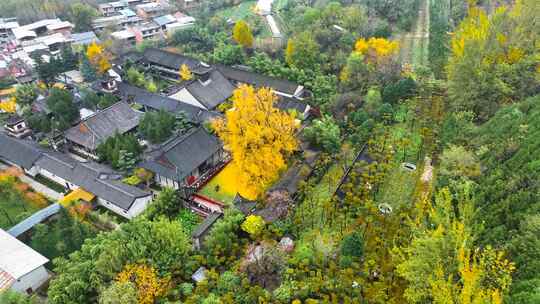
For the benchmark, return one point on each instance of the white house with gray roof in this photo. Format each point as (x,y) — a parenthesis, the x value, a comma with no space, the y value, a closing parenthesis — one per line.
(104,183)
(22,269)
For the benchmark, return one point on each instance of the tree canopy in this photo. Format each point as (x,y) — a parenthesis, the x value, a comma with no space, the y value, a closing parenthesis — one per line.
(259,137)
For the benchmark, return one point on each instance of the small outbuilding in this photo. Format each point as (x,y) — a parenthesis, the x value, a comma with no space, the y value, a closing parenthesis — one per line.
(22,269)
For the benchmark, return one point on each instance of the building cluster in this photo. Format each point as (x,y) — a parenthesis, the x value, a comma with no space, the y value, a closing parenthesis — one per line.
(134,21)
(20,43)
(186,161)
(126,22)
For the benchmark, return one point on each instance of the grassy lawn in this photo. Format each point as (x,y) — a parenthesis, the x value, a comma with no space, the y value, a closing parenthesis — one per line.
(238,12)
(398,187)
(17,201)
(223,187)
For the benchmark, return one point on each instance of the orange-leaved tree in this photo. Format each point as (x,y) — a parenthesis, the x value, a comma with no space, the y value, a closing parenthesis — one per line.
(259,137)
(98,57)
(145,278)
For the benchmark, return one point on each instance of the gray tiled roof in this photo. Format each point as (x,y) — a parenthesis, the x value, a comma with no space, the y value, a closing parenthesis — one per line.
(98,179)
(258,80)
(174,61)
(287,103)
(84,38)
(17,151)
(212,92)
(118,118)
(158,102)
(92,177)
(178,157)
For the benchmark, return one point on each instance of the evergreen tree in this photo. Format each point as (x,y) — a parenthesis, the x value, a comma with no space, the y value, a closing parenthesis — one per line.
(88,72)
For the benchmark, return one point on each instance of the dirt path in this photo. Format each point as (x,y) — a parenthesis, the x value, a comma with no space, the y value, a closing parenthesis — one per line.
(414,45)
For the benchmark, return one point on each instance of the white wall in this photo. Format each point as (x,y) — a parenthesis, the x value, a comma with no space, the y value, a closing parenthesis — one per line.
(113,207)
(33,279)
(138,206)
(165,182)
(57,179)
(32,171)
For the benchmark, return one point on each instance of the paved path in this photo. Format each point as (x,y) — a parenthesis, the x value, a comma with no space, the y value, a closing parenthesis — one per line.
(38,187)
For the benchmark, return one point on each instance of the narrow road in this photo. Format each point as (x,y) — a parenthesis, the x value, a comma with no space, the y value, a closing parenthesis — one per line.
(414,45)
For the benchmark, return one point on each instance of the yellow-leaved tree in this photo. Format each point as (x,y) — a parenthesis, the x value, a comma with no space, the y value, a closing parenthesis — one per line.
(98,57)
(9,106)
(145,278)
(253,225)
(259,137)
(441,264)
(376,49)
(242,34)
(494,58)
(185,72)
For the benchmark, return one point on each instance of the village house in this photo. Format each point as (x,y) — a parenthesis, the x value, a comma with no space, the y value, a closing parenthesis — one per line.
(79,40)
(103,184)
(22,269)
(178,21)
(206,92)
(185,160)
(40,28)
(151,10)
(212,85)
(6,28)
(16,126)
(168,64)
(281,87)
(112,8)
(99,180)
(154,102)
(124,19)
(85,137)
(19,153)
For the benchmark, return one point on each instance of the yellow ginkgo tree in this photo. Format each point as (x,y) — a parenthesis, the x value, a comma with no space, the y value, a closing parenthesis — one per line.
(145,278)
(376,49)
(98,57)
(242,34)
(185,72)
(259,137)
(9,106)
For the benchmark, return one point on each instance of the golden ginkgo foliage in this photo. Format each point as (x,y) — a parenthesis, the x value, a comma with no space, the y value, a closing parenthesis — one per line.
(185,72)
(242,34)
(9,106)
(98,57)
(145,278)
(375,49)
(441,264)
(259,137)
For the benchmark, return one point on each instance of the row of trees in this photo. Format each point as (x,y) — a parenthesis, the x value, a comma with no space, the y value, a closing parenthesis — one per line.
(504,195)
